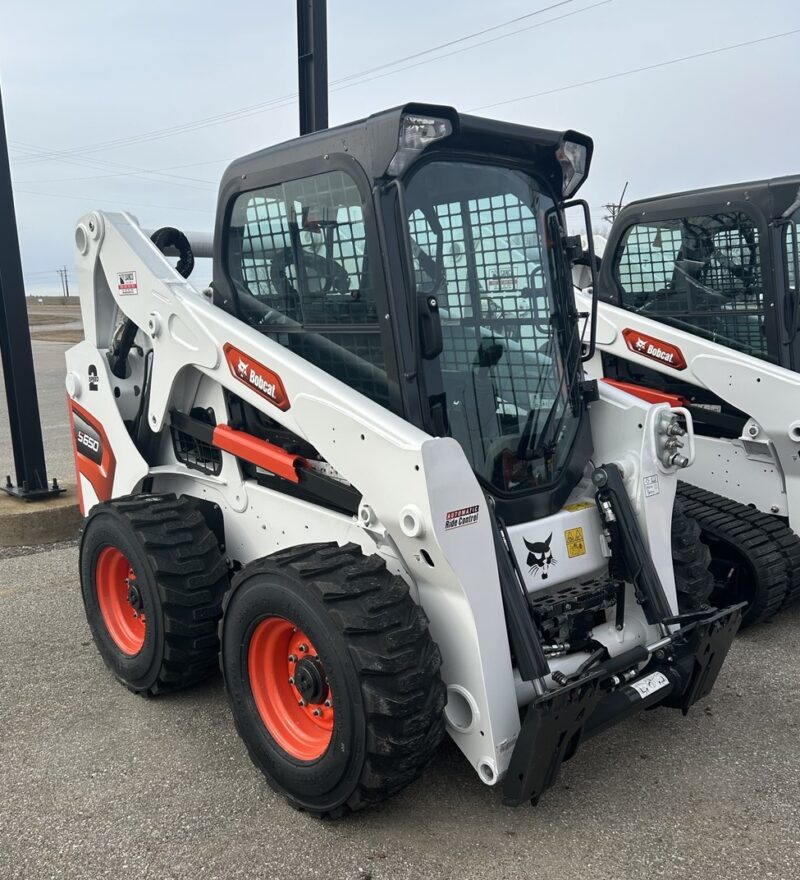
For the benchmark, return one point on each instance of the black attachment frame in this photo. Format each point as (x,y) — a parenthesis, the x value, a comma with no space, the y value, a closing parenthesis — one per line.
(522,633)
(312,64)
(555,723)
(628,546)
(17,355)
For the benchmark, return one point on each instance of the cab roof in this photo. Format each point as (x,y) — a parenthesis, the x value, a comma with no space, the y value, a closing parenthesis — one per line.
(372,142)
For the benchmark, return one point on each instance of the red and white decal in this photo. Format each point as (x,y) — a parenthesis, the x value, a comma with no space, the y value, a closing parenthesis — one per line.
(256,376)
(464,516)
(655,349)
(94,459)
(127,284)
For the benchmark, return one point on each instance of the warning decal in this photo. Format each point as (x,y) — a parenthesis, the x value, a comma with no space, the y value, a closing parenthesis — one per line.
(576,545)
(578,505)
(651,486)
(126,284)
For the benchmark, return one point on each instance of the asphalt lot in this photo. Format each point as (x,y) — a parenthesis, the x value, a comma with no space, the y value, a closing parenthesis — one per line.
(96,782)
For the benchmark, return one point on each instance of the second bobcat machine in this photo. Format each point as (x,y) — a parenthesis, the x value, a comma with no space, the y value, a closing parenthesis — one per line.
(391,507)
(698,307)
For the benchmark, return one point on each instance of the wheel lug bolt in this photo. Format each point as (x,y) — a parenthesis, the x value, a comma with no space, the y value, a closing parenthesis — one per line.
(293,658)
(303,649)
(328,703)
(318,712)
(291,679)
(302,703)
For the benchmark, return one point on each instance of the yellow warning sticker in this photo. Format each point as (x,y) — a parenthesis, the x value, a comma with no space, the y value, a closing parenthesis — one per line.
(576,546)
(579,505)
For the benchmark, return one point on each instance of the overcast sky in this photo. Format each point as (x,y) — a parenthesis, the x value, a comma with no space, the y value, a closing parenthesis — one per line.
(77,75)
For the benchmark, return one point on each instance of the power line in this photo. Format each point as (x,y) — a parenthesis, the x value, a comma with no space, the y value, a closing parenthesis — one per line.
(37,153)
(477,45)
(116,202)
(452,42)
(124,173)
(358,78)
(610,76)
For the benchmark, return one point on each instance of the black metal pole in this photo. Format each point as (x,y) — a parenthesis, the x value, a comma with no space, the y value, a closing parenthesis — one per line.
(312,64)
(15,347)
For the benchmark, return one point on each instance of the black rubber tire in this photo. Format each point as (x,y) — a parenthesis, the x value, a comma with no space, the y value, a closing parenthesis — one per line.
(380,660)
(691,559)
(182,577)
(747,561)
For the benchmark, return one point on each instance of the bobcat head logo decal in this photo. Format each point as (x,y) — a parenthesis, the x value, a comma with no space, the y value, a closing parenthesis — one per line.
(242,367)
(540,557)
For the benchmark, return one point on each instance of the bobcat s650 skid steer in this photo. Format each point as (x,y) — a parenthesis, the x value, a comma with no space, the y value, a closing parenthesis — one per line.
(698,306)
(392,508)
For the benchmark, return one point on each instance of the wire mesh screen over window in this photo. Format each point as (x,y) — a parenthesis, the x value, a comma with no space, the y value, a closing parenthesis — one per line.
(701,274)
(477,243)
(298,255)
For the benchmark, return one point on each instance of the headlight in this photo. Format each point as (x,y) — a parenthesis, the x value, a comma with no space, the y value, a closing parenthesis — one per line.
(572,158)
(416,132)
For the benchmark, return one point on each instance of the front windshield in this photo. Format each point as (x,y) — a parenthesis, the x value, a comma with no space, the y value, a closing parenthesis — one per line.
(480,242)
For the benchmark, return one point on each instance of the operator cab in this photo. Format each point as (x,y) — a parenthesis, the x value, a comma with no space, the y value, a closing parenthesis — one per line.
(719,263)
(420,257)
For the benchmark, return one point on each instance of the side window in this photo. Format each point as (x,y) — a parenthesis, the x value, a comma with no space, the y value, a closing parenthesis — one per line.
(701,274)
(297,254)
(505,277)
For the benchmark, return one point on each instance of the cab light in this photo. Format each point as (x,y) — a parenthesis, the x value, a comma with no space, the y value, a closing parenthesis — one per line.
(416,133)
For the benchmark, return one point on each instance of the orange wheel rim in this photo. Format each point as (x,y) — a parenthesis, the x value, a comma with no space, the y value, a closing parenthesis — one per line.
(290,688)
(120,601)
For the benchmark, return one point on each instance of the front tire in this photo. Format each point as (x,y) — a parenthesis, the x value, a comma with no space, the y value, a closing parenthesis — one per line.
(332,677)
(153,578)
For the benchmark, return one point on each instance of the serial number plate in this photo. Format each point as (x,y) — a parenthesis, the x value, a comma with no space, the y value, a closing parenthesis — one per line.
(650,684)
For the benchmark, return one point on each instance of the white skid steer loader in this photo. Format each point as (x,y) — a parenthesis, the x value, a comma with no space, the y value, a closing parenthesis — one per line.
(390,507)
(698,307)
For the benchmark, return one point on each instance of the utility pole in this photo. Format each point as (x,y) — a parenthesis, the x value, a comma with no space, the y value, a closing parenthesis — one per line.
(312,64)
(614,208)
(62,274)
(15,348)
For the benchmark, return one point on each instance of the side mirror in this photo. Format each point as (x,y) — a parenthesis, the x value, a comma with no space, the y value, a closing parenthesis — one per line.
(589,256)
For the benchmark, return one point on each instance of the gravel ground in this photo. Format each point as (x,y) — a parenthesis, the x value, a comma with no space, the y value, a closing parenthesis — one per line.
(98,782)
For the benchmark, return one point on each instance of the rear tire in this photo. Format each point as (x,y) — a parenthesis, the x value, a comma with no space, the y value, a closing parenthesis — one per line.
(153,578)
(368,677)
(691,559)
(748,563)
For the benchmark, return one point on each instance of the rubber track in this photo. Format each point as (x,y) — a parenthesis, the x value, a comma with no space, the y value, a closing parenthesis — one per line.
(773,550)
(395,659)
(191,576)
(691,558)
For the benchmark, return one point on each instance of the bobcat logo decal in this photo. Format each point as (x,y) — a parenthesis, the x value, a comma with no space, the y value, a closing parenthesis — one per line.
(242,367)
(540,557)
